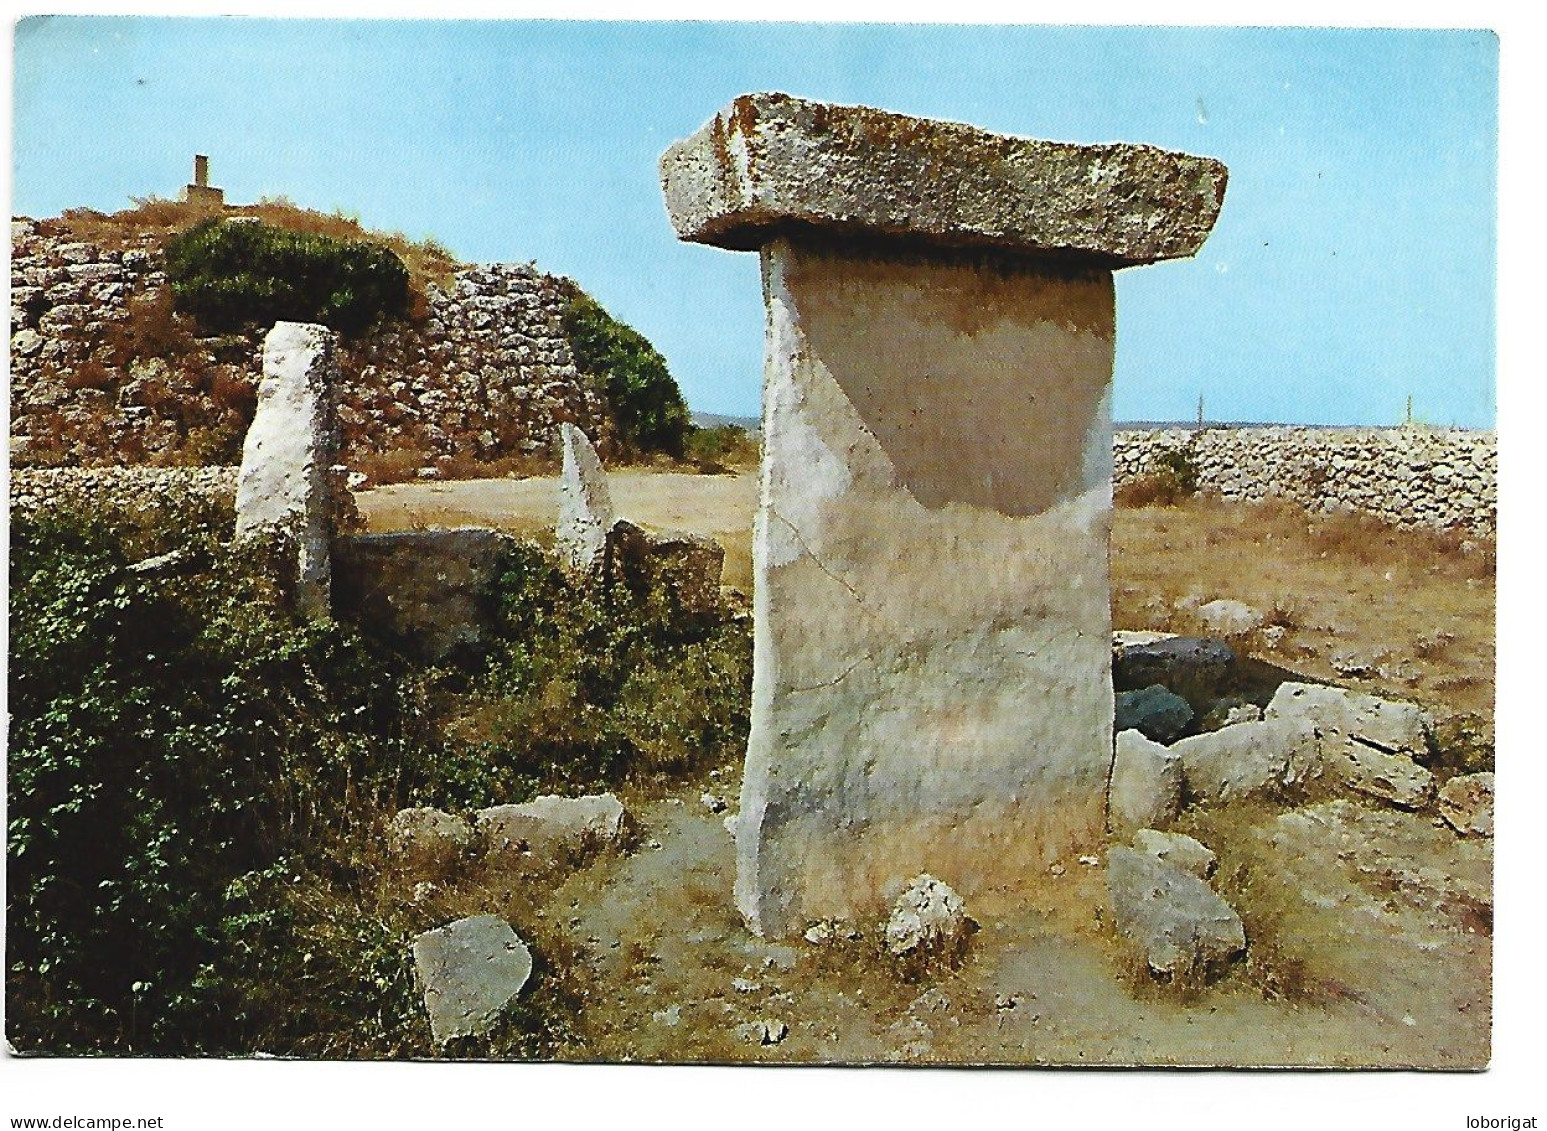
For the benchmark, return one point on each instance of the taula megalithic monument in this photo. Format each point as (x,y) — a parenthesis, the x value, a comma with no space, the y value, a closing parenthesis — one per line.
(932,676)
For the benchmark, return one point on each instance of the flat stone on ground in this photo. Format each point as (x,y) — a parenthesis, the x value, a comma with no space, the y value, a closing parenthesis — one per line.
(1185,852)
(470,971)
(1184,929)
(550,824)
(1466,804)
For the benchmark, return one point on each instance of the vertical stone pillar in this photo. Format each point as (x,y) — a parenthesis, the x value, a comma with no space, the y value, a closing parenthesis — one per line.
(200,170)
(932,687)
(285,487)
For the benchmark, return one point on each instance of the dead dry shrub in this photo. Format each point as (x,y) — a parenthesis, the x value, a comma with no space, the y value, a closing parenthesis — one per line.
(394,465)
(91,374)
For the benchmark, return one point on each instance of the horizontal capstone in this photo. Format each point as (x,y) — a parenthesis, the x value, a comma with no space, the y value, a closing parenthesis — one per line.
(769,163)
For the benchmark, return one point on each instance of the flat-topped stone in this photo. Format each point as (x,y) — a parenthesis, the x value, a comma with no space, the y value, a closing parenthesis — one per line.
(770,163)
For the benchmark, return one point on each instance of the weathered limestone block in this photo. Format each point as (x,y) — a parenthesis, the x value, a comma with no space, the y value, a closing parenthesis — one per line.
(585,504)
(687,567)
(1187,853)
(1146,786)
(1275,756)
(427,589)
(285,486)
(1368,742)
(928,924)
(428,839)
(1465,803)
(551,826)
(769,161)
(1184,929)
(470,972)
(932,672)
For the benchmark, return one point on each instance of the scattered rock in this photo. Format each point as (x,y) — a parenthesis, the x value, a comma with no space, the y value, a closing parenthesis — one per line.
(1194,667)
(685,566)
(427,839)
(1184,852)
(1156,712)
(743,986)
(714,803)
(928,923)
(1248,759)
(1146,785)
(1466,804)
(470,972)
(1230,618)
(1185,930)
(551,825)
(670,1017)
(1368,742)
(585,504)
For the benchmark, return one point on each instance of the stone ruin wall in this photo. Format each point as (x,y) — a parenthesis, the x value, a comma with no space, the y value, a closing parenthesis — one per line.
(1413,476)
(487,373)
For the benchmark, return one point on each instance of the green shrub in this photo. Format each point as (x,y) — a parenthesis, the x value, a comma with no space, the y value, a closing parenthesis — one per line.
(651,414)
(170,733)
(232,274)
(723,448)
(197,778)
(1173,476)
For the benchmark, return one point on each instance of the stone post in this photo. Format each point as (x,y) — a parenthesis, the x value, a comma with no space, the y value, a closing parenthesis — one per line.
(285,486)
(200,171)
(932,675)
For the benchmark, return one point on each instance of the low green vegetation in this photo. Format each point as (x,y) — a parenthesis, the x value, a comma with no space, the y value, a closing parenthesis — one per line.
(722,449)
(651,414)
(198,780)
(230,274)
(1172,477)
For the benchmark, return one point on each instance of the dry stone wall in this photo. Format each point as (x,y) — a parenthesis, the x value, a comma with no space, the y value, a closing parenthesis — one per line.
(1414,476)
(101,373)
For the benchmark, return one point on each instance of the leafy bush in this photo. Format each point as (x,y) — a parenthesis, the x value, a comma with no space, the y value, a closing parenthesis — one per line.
(197,779)
(170,732)
(651,414)
(230,274)
(721,449)
(1173,476)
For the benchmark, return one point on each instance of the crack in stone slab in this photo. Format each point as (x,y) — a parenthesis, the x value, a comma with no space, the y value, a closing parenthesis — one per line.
(816,561)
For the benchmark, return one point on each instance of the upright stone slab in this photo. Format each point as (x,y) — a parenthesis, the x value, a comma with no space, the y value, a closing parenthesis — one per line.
(585,504)
(285,485)
(932,686)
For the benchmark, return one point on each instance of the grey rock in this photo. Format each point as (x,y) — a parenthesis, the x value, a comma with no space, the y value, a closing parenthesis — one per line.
(1193,667)
(1248,760)
(1183,928)
(1369,743)
(768,1031)
(428,839)
(1465,803)
(1230,618)
(928,923)
(1184,852)
(550,825)
(770,159)
(1146,786)
(1156,712)
(470,972)
(687,567)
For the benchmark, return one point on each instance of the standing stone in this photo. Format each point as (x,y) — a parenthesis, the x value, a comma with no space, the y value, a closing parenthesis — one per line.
(932,667)
(284,487)
(585,504)
(1146,786)
(470,972)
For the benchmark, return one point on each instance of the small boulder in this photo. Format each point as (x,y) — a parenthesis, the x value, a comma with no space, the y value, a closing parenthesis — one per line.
(428,839)
(552,826)
(1230,618)
(470,972)
(1466,804)
(1145,790)
(928,924)
(1184,852)
(1368,742)
(1193,667)
(685,567)
(1183,928)
(1157,713)
(1248,759)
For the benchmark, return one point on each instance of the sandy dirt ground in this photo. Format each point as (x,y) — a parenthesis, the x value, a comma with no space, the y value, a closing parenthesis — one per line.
(1369,928)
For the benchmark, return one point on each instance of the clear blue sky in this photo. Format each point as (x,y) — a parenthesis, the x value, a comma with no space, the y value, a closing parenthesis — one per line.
(1353,263)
